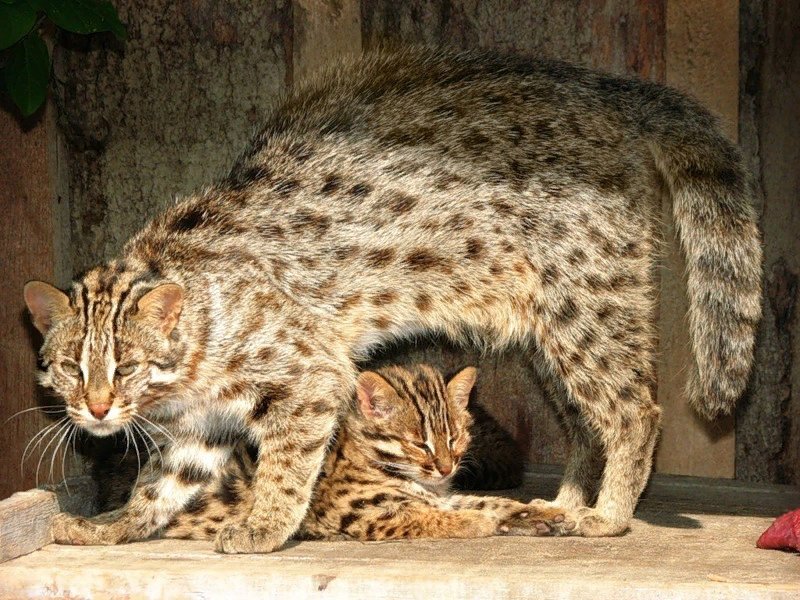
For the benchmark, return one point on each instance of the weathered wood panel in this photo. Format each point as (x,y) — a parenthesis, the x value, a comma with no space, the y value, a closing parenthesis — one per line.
(672,552)
(166,112)
(25,520)
(26,247)
(702,60)
(768,421)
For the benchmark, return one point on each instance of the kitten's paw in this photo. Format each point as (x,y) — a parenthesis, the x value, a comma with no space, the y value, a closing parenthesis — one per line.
(537,521)
(242,538)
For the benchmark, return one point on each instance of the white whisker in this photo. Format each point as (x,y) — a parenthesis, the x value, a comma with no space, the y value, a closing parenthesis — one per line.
(49,410)
(63,437)
(71,438)
(39,435)
(158,427)
(147,433)
(44,450)
(138,458)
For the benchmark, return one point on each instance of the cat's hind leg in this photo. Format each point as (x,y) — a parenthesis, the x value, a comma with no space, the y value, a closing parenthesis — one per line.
(597,336)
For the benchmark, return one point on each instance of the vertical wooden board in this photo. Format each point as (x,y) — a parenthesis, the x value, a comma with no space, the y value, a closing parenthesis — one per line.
(324,30)
(768,419)
(27,250)
(702,59)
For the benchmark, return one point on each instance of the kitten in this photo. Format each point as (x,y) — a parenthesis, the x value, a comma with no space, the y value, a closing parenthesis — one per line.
(388,474)
(487,198)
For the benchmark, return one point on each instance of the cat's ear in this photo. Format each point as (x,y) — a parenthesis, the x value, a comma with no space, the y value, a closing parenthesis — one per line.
(375,395)
(46,303)
(460,386)
(162,306)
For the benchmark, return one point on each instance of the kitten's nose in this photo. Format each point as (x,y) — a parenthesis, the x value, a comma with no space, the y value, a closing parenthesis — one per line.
(99,410)
(444,468)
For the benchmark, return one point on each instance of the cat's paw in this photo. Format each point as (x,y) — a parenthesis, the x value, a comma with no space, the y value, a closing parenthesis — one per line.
(241,538)
(591,523)
(537,521)
(74,530)
(584,521)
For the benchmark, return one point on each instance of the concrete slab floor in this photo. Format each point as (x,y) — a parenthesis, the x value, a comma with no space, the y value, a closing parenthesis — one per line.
(691,539)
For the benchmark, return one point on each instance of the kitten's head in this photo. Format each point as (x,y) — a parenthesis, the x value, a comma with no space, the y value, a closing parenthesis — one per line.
(413,423)
(110,347)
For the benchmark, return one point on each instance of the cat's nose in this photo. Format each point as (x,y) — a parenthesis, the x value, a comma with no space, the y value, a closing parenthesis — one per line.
(99,410)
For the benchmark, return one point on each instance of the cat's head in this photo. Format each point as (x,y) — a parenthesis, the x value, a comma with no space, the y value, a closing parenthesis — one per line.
(110,347)
(415,424)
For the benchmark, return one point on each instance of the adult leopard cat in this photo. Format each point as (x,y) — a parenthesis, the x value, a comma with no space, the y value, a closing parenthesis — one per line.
(488,198)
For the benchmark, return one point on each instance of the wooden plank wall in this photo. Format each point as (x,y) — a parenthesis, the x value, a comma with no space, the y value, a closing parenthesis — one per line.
(172,108)
(26,248)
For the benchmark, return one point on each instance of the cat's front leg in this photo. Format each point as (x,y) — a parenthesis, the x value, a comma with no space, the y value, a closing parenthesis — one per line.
(162,492)
(292,425)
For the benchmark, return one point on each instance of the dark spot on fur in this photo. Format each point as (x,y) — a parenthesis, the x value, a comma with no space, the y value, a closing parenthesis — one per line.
(284,188)
(192,474)
(345,252)
(150,493)
(567,312)
(347,520)
(475,248)
(221,434)
(422,259)
(266,354)
(189,220)
(551,274)
(271,392)
(244,178)
(306,219)
(576,257)
(331,185)
(400,203)
(380,258)
(228,494)
(197,504)
(382,322)
(423,302)
(384,297)
(350,301)
(360,190)
(303,348)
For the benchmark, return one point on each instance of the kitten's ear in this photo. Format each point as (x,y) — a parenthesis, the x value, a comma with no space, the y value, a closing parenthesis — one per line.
(162,305)
(46,303)
(375,395)
(460,386)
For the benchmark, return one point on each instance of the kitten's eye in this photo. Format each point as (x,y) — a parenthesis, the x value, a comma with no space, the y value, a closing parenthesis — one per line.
(423,446)
(126,369)
(71,368)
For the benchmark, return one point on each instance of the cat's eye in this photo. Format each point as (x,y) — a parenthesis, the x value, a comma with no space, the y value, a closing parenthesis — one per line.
(71,368)
(126,369)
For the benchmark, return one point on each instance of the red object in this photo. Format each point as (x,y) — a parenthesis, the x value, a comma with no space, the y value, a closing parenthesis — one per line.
(783,534)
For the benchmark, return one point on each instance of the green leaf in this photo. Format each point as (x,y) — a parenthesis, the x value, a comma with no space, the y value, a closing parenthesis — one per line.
(111,20)
(27,72)
(84,16)
(77,16)
(15,21)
